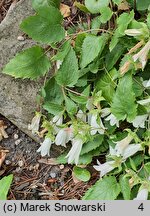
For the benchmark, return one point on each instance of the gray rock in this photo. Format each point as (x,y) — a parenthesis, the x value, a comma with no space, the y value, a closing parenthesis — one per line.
(17,97)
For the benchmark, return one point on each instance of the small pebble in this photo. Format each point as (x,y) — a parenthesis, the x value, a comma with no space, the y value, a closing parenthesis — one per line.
(53,175)
(20,38)
(7,162)
(61,166)
(20,163)
(16,136)
(18,141)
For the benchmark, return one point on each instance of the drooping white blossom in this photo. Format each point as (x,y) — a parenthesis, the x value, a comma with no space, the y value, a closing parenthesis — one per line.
(142,55)
(131,150)
(74,153)
(96,125)
(64,136)
(105,112)
(146,83)
(113,120)
(133,32)
(139,121)
(81,116)
(144,102)
(45,147)
(58,64)
(58,119)
(142,194)
(105,167)
(122,145)
(35,123)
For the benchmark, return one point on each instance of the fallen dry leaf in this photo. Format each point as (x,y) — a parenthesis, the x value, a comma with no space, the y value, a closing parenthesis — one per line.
(65,10)
(124,6)
(3,153)
(51,161)
(3,133)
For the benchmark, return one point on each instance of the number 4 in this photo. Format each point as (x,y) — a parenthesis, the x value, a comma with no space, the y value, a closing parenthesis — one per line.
(141,207)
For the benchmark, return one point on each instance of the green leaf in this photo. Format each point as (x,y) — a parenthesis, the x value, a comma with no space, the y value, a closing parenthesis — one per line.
(104,189)
(4,186)
(53,108)
(91,48)
(36,4)
(78,42)
(81,174)
(113,56)
(106,14)
(123,106)
(142,5)
(30,63)
(78,99)
(53,92)
(148,20)
(63,52)
(91,145)
(71,107)
(94,5)
(117,2)
(45,26)
(68,73)
(81,7)
(122,23)
(125,187)
(107,85)
(137,87)
(95,24)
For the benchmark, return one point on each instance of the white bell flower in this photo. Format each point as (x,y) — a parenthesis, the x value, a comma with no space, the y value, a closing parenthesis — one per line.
(74,153)
(142,55)
(131,150)
(105,112)
(64,136)
(45,147)
(144,102)
(58,120)
(113,120)
(142,194)
(133,32)
(81,115)
(96,125)
(146,83)
(58,64)
(122,145)
(35,123)
(105,167)
(139,121)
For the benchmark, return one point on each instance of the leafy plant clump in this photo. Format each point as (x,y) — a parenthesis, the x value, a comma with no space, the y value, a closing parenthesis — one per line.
(97,100)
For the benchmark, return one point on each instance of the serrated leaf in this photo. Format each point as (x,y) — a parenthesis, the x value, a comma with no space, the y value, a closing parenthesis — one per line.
(5,183)
(81,7)
(117,2)
(45,26)
(123,106)
(81,174)
(104,189)
(63,52)
(30,63)
(71,107)
(125,187)
(137,87)
(91,145)
(94,5)
(107,85)
(36,4)
(113,56)
(53,108)
(78,42)
(122,23)
(106,14)
(91,48)
(142,5)
(53,92)
(68,73)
